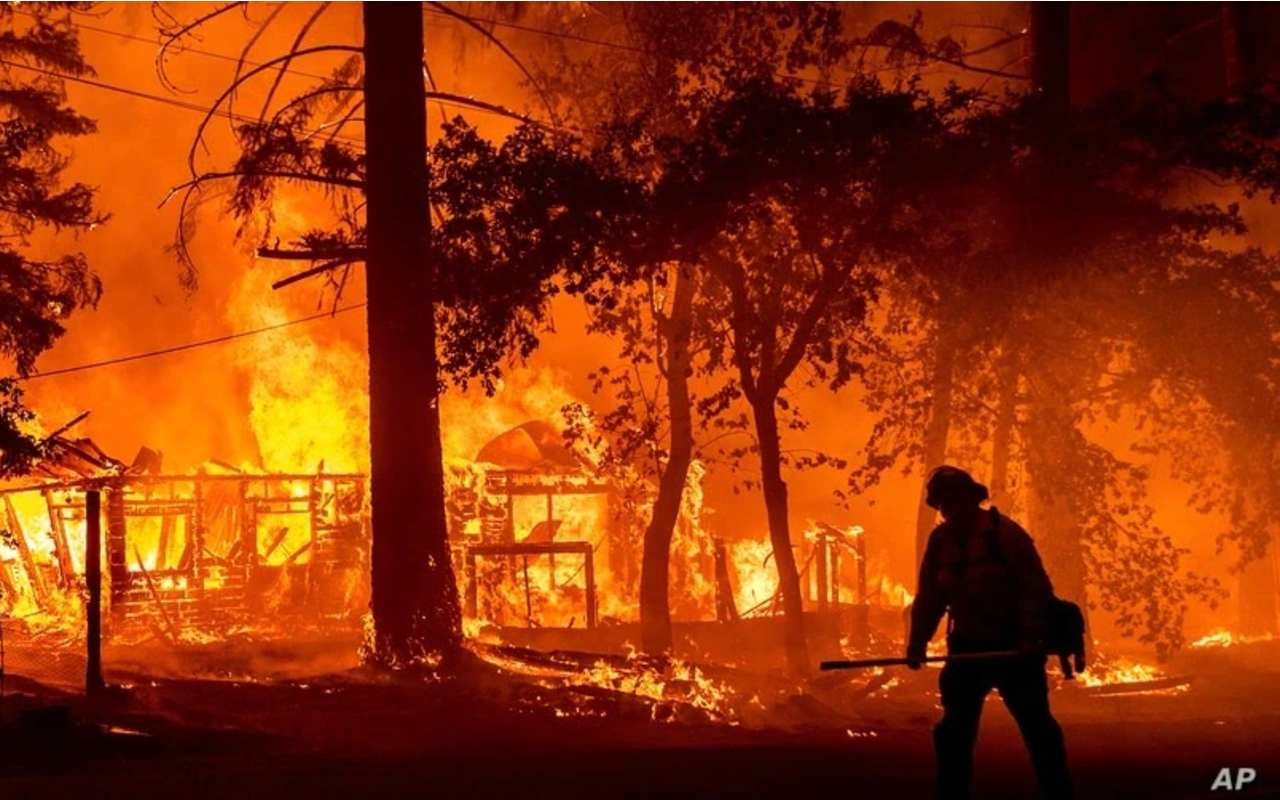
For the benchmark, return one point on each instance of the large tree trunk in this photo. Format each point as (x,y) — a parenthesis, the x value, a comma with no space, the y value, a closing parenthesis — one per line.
(1259,600)
(1051,431)
(938,427)
(1258,585)
(415,598)
(655,570)
(775,501)
(1240,67)
(1055,522)
(1002,435)
(1051,55)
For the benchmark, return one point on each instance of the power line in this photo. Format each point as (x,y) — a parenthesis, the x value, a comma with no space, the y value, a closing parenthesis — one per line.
(641,51)
(236,60)
(573,37)
(179,50)
(138,93)
(111,87)
(314,76)
(191,345)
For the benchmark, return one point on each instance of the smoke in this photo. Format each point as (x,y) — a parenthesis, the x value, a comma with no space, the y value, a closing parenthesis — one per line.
(290,398)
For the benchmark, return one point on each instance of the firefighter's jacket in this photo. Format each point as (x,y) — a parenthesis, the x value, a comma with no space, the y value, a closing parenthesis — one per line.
(990,583)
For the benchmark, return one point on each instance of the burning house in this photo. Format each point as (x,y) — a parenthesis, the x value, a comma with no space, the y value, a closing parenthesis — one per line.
(529,522)
(541,553)
(207,550)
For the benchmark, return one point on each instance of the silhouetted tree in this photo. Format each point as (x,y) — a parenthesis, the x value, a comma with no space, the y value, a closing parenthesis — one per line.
(1088,238)
(675,64)
(798,203)
(453,294)
(37,295)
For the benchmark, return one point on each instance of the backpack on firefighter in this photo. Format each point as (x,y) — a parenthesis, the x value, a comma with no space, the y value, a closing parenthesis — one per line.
(1064,626)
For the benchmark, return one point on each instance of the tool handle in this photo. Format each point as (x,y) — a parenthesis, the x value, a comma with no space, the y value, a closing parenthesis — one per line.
(992,655)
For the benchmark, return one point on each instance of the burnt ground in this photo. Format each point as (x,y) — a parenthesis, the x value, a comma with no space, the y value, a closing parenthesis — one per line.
(351,733)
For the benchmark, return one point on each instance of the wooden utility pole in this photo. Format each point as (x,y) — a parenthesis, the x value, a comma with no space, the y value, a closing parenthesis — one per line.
(93,681)
(1051,54)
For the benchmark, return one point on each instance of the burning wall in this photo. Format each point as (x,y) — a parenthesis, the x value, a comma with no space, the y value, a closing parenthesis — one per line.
(205,551)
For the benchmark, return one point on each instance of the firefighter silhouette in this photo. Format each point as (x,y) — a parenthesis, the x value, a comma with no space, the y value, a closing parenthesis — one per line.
(981,569)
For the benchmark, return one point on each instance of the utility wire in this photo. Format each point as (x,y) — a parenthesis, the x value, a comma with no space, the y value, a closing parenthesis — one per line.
(111,87)
(133,37)
(233,59)
(442,103)
(573,37)
(629,48)
(170,101)
(191,345)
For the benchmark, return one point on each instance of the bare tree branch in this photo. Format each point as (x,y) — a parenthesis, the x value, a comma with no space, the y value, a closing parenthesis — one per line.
(306,177)
(319,269)
(297,42)
(482,105)
(466,20)
(172,37)
(282,254)
(230,90)
(242,60)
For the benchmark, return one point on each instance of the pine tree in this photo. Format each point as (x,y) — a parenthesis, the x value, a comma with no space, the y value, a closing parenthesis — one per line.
(37,42)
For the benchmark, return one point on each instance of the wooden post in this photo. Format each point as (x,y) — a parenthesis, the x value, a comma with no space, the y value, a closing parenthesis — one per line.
(117,559)
(162,548)
(551,535)
(861,545)
(820,574)
(862,621)
(473,588)
(93,681)
(247,517)
(511,517)
(591,586)
(528,598)
(196,537)
(61,547)
(833,548)
(317,548)
(726,608)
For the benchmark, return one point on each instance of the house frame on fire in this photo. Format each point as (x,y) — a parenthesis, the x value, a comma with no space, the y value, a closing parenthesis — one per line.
(498,536)
(207,548)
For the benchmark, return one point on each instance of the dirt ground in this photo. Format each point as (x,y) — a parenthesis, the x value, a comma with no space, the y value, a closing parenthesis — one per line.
(350,733)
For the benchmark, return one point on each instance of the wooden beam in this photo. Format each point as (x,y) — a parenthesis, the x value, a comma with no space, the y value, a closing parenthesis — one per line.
(170,630)
(38,586)
(61,547)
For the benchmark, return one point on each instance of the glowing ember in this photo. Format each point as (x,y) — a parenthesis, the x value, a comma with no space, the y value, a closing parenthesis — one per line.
(677,682)
(1225,638)
(1119,671)
(1127,677)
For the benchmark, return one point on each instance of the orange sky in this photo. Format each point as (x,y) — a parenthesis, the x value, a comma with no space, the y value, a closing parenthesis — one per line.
(201,403)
